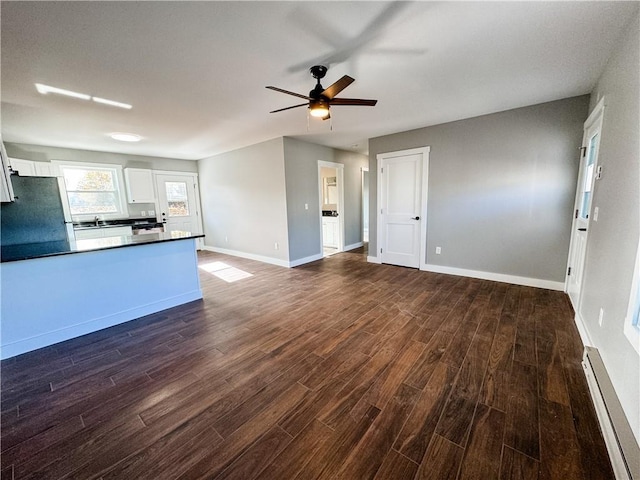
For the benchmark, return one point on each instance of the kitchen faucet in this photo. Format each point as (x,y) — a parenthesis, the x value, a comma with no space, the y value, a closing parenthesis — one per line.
(97,221)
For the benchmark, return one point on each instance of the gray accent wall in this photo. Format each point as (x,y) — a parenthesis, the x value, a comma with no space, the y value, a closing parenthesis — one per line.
(501,188)
(353,165)
(301,167)
(244,200)
(613,240)
(301,170)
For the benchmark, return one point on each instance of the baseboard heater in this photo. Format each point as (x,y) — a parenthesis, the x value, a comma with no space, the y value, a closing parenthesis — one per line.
(618,436)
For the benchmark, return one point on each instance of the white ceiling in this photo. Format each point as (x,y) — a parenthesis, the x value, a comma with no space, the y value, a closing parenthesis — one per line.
(195,72)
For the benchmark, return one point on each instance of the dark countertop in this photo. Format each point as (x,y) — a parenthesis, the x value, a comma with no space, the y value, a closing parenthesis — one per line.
(27,251)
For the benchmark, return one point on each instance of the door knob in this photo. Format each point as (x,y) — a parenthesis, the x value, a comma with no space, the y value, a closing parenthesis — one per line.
(415,218)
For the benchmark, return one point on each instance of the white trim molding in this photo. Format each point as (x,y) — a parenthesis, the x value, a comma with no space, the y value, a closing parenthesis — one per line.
(496,277)
(249,256)
(371,259)
(353,246)
(264,259)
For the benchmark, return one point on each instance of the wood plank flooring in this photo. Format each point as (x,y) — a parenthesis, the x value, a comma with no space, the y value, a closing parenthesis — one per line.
(338,369)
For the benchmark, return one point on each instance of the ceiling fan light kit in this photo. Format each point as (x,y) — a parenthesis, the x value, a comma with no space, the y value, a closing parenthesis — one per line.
(320,99)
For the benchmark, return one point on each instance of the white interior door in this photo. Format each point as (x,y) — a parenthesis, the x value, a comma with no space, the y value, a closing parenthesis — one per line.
(583,208)
(402,208)
(178,202)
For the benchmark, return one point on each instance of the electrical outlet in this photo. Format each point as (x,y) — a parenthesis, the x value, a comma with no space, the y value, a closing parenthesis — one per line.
(226,239)
(438,250)
(152,213)
(276,245)
(601,316)
(306,206)
(143,213)
(595,214)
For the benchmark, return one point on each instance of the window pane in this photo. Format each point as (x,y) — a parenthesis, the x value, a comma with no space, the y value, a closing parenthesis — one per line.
(89,180)
(93,190)
(88,203)
(588,178)
(177,199)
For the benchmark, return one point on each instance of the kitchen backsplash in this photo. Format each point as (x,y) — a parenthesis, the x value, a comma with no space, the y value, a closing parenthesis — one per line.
(136,209)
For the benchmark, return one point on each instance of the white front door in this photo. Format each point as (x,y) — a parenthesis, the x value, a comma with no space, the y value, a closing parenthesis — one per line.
(402,207)
(178,202)
(583,208)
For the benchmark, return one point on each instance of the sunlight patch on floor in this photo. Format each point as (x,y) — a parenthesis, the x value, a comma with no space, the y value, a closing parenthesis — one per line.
(225,272)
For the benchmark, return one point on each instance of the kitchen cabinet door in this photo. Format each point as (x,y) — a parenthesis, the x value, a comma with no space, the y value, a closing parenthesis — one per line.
(29,168)
(140,187)
(330,232)
(25,168)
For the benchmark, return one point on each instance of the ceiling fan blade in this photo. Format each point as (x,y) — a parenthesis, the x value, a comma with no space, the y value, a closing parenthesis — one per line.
(288,92)
(337,87)
(288,108)
(353,101)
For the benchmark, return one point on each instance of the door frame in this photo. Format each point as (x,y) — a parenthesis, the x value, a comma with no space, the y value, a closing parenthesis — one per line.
(340,207)
(196,183)
(596,119)
(380,159)
(365,200)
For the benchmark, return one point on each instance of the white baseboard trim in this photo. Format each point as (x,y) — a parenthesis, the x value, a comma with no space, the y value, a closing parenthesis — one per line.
(263,259)
(353,246)
(302,261)
(582,330)
(371,259)
(249,256)
(496,277)
(72,331)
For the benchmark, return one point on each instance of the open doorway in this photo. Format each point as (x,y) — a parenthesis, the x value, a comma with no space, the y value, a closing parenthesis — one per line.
(330,177)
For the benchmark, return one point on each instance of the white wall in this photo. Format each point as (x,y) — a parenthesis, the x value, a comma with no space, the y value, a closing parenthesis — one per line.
(613,239)
(244,201)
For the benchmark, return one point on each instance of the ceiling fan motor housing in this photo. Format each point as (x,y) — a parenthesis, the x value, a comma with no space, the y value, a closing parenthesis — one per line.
(318,71)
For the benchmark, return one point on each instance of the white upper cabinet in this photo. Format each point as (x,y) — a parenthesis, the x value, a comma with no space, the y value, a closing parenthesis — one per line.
(6,191)
(139,185)
(28,168)
(25,168)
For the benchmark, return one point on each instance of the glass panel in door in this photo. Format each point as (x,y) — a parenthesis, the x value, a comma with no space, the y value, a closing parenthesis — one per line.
(585,203)
(177,199)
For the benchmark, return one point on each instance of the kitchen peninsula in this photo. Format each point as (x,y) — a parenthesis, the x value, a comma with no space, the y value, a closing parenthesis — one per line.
(54,291)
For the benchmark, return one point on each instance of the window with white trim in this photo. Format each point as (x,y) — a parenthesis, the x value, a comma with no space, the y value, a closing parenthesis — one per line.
(94,190)
(632,322)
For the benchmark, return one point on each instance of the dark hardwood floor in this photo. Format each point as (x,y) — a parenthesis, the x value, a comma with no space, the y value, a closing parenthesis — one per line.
(336,369)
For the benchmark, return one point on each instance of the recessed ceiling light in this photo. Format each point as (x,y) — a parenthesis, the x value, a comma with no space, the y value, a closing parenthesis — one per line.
(44,89)
(125,137)
(111,102)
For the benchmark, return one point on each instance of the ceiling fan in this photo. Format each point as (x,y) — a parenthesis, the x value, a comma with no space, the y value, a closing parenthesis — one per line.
(320,99)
